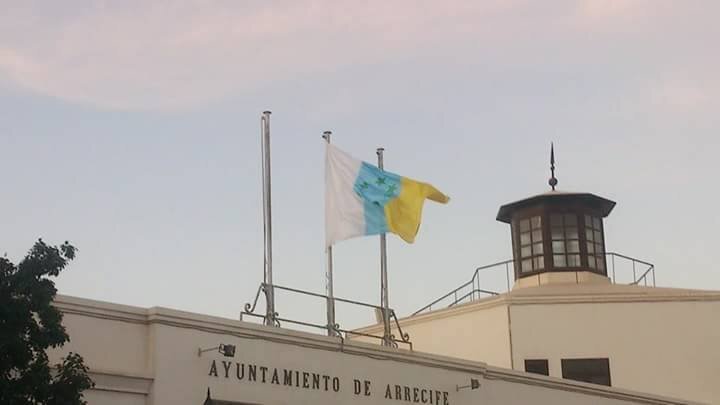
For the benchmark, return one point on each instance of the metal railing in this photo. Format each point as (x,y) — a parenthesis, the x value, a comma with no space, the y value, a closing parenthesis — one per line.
(333,330)
(471,290)
(461,293)
(647,269)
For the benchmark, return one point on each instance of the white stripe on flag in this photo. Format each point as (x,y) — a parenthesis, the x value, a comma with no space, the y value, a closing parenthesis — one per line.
(344,212)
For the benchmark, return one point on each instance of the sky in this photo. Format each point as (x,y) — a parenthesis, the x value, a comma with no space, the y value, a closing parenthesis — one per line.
(131,129)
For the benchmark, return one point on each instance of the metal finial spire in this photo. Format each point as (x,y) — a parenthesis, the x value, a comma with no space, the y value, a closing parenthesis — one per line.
(553,181)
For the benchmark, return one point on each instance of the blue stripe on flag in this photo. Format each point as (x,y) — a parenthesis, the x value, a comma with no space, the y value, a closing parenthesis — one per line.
(375,222)
(375,188)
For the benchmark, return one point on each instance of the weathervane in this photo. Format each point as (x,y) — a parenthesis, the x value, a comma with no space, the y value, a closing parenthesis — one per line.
(553,181)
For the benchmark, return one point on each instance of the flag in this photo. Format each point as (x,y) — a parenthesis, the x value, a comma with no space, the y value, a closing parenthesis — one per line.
(361,199)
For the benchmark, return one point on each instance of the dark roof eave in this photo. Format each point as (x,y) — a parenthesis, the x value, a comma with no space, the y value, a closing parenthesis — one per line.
(604,205)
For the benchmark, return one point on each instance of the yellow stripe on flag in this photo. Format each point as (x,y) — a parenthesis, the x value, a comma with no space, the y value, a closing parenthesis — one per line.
(403,214)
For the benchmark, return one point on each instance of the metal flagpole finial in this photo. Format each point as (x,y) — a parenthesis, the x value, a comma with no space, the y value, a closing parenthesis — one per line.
(380,154)
(553,181)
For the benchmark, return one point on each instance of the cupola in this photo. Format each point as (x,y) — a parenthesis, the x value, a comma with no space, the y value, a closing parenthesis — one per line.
(558,236)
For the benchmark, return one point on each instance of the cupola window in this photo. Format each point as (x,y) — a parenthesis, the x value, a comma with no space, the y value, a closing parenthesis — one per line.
(594,238)
(531,244)
(565,240)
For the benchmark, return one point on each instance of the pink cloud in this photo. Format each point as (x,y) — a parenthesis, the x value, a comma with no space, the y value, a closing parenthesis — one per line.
(166,55)
(172,54)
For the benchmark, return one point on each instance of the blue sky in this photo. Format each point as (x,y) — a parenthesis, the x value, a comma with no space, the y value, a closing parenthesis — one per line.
(132,130)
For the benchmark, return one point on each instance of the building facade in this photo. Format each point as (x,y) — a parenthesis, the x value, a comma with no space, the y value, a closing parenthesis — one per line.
(657,340)
(158,356)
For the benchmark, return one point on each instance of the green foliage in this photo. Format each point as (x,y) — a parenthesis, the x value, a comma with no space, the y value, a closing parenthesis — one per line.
(29,325)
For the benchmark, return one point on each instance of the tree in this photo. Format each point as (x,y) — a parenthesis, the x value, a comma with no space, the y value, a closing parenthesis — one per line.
(29,325)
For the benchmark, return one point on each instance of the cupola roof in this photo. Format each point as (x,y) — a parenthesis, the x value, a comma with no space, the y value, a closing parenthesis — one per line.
(601,205)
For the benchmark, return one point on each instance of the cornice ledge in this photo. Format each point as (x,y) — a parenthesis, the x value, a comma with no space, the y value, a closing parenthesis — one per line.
(98,309)
(494,373)
(106,380)
(123,374)
(167,317)
(608,298)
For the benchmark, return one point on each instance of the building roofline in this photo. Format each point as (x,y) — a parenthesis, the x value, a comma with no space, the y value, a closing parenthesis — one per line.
(563,294)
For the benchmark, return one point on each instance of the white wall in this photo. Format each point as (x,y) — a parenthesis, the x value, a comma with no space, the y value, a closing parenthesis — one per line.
(464,332)
(106,344)
(667,348)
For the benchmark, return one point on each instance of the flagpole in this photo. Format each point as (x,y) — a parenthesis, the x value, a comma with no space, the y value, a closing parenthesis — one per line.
(330,304)
(267,220)
(384,299)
